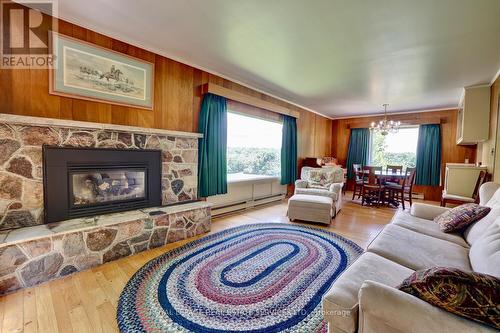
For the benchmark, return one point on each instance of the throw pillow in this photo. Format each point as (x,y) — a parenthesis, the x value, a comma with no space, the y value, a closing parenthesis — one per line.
(468,294)
(320,178)
(458,218)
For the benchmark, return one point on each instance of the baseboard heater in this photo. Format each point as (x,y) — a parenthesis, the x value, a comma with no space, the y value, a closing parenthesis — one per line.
(241,205)
(417,195)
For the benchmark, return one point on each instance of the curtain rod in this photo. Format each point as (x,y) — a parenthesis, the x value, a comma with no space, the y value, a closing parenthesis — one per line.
(412,122)
(247,99)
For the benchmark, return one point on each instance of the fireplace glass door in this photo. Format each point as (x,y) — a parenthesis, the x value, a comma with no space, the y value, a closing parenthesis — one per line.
(102,186)
(79,182)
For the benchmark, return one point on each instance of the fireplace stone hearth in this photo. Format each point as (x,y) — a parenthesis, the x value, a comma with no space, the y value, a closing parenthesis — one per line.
(29,256)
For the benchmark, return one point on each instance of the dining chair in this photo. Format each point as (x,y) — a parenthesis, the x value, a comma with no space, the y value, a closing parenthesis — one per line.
(403,192)
(357,170)
(395,169)
(449,198)
(372,188)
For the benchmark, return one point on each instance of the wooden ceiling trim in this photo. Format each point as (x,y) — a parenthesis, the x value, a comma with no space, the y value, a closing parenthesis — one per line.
(406,120)
(247,99)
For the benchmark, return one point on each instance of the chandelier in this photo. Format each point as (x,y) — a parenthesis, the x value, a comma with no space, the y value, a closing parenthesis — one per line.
(385,126)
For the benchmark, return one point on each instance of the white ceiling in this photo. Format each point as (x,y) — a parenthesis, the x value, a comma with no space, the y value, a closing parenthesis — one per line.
(336,57)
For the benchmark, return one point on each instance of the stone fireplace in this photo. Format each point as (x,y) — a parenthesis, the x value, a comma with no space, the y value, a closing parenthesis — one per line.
(81,182)
(21,161)
(74,195)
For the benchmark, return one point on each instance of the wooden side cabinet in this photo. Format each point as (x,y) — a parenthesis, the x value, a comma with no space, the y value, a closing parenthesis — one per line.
(473,123)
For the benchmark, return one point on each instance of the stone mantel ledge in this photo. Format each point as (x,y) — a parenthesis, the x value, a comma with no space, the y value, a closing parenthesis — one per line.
(39,121)
(27,234)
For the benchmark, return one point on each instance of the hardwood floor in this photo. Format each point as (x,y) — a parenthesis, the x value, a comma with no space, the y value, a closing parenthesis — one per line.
(86,301)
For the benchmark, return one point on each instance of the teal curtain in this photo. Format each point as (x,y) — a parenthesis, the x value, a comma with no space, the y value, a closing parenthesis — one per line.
(359,145)
(212,148)
(289,151)
(429,155)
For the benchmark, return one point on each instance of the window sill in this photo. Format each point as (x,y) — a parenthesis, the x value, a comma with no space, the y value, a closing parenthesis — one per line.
(248,178)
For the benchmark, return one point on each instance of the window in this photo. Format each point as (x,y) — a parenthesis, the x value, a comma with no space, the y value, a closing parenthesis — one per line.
(253,147)
(394,149)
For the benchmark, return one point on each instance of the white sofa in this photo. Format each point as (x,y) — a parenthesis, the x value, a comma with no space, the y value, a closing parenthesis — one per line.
(364,298)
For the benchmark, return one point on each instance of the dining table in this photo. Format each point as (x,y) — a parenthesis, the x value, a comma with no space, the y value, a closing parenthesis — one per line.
(383,176)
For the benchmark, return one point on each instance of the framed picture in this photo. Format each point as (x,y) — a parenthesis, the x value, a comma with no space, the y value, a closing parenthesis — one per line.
(87,71)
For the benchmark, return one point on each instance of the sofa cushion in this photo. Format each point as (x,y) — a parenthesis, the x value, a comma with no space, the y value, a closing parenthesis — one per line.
(340,303)
(426,211)
(316,186)
(456,197)
(485,253)
(458,218)
(418,251)
(317,192)
(477,229)
(471,295)
(426,227)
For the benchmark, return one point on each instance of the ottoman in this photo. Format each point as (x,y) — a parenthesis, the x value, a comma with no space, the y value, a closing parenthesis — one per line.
(314,208)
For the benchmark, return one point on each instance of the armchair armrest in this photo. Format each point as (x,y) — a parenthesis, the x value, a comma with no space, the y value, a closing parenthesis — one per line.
(427,212)
(301,183)
(336,187)
(386,309)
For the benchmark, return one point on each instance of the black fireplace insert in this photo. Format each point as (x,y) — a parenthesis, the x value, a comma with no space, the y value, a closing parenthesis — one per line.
(82,182)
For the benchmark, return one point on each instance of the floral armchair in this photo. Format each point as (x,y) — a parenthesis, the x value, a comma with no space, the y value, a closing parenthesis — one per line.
(326,182)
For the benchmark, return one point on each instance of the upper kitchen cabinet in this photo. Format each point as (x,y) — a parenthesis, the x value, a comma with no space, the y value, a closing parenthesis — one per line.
(474,115)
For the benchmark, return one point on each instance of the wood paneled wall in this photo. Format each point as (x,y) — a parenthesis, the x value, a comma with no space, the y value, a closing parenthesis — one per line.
(488,152)
(177,97)
(452,153)
(495,134)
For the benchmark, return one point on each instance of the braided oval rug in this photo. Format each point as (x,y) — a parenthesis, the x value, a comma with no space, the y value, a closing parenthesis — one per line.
(254,278)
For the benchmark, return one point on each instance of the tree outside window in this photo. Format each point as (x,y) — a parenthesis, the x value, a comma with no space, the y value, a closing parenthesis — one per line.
(395,149)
